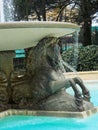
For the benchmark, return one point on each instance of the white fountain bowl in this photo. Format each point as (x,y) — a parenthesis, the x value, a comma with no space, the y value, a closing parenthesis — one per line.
(20,35)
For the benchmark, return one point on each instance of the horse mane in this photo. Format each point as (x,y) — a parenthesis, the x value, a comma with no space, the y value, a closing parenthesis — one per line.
(37,54)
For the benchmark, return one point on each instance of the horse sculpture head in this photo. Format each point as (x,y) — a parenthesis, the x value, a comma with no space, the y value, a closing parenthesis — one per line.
(45,54)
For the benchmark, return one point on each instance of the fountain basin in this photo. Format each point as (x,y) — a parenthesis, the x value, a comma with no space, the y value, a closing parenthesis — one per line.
(84,75)
(20,35)
(92,85)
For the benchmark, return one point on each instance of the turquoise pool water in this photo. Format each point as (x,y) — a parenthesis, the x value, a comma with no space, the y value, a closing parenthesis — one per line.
(93,88)
(53,123)
(48,123)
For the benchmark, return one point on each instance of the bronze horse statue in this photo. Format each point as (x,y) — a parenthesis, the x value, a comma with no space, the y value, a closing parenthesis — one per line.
(43,85)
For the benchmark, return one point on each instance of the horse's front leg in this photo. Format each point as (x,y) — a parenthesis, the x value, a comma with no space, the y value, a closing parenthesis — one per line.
(85,91)
(56,85)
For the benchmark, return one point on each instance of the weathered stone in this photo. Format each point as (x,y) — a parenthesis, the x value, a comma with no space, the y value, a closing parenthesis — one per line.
(20,86)
(62,101)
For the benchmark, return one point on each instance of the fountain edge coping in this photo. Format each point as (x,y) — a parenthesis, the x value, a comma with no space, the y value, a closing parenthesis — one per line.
(63,114)
(84,75)
(38,24)
(83,114)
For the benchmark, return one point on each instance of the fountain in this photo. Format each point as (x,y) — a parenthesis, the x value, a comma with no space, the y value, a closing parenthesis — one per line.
(6,10)
(42,85)
(1,11)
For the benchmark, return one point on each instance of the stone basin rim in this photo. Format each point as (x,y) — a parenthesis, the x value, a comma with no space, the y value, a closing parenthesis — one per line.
(62,114)
(38,24)
(25,34)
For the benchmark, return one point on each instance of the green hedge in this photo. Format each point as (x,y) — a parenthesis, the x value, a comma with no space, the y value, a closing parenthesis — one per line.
(86,58)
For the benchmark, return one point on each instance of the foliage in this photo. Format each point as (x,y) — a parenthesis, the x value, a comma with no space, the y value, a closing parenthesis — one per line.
(81,12)
(22,9)
(95,37)
(87,58)
(84,6)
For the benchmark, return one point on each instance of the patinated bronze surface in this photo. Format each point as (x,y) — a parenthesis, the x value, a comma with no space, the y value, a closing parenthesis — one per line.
(42,86)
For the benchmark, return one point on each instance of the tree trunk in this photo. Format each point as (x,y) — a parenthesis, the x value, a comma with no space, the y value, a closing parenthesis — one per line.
(43,10)
(37,13)
(87,32)
(85,10)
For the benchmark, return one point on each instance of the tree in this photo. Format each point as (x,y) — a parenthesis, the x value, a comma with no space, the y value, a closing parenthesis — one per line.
(22,9)
(85,6)
(39,6)
(86,9)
